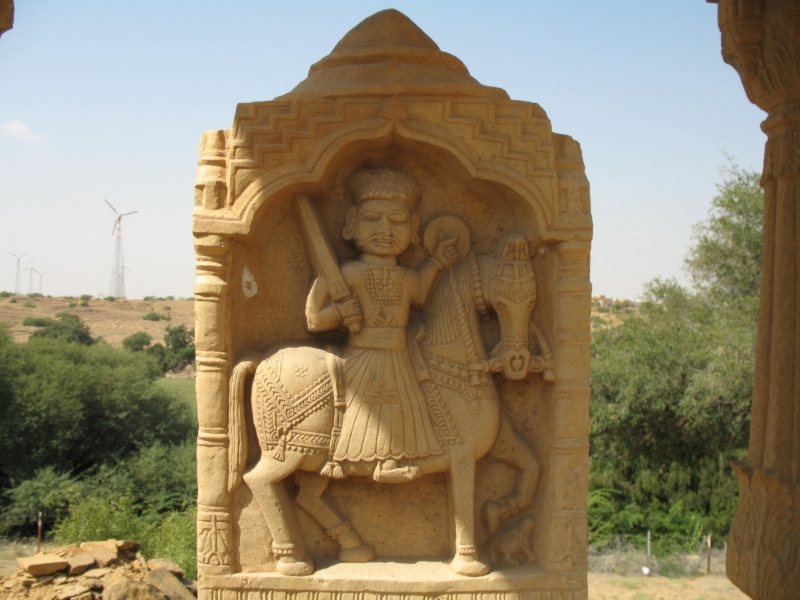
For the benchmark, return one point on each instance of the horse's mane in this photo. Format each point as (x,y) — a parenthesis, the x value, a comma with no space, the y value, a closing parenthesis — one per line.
(450,306)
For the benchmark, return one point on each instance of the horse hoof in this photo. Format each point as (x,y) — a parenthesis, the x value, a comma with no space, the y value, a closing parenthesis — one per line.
(469,566)
(359,554)
(288,565)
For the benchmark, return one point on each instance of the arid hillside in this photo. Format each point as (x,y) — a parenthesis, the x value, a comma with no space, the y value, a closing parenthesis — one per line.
(113,321)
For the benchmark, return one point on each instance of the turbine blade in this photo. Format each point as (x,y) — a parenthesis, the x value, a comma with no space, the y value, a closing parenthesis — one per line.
(114,228)
(14,255)
(130,213)
(109,204)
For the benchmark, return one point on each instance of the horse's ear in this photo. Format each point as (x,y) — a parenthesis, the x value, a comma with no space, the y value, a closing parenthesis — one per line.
(514,246)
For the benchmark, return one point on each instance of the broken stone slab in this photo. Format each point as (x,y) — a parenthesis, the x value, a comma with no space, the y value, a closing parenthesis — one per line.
(166,581)
(163,563)
(142,561)
(42,564)
(97,573)
(120,587)
(105,555)
(126,545)
(84,596)
(80,563)
(65,551)
(44,580)
(71,591)
(92,583)
(89,546)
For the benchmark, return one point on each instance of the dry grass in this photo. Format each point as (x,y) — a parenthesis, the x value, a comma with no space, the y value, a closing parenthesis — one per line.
(114,321)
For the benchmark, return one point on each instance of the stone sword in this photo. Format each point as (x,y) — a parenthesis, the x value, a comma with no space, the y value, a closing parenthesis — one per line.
(322,256)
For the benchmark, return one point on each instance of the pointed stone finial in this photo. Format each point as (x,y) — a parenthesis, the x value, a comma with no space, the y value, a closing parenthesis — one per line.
(387,54)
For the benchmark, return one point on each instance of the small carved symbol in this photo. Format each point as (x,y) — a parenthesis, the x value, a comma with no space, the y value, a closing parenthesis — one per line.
(249,286)
(300,371)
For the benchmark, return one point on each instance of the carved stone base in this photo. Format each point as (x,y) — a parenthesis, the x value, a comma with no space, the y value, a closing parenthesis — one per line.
(764,545)
(381,580)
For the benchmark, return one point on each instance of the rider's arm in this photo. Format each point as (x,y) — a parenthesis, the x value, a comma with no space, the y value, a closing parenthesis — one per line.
(428,274)
(321,313)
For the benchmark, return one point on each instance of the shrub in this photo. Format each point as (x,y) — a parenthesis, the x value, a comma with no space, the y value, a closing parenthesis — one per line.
(84,303)
(137,342)
(36,321)
(154,316)
(110,299)
(86,297)
(72,305)
(13,301)
(66,327)
(170,535)
(34,295)
(5,294)
(29,305)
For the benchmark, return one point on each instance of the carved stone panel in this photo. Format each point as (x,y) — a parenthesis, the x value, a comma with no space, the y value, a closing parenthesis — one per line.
(393,335)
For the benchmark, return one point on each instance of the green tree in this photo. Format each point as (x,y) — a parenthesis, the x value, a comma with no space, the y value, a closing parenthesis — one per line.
(725,260)
(672,386)
(67,328)
(137,342)
(71,406)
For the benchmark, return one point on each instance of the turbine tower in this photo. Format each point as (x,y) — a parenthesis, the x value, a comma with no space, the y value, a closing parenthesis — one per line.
(117,287)
(41,288)
(17,281)
(30,271)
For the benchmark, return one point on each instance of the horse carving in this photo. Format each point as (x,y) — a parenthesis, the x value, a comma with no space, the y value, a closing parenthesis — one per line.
(405,397)
(298,398)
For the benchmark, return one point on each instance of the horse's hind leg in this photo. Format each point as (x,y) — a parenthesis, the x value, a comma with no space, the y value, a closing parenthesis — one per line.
(336,526)
(266,483)
(512,449)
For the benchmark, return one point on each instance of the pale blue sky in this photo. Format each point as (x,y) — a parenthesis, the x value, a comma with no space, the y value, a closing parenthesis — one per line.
(104,99)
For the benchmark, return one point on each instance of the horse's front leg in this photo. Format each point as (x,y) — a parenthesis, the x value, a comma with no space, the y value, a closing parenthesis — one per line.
(266,483)
(462,490)
(512,449)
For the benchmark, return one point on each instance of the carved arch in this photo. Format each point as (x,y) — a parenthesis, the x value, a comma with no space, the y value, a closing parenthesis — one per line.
(306,176)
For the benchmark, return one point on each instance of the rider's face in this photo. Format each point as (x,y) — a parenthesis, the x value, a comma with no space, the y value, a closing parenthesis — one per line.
(383,227)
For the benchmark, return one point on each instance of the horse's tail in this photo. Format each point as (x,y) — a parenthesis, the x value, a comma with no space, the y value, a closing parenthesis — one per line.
(237,435)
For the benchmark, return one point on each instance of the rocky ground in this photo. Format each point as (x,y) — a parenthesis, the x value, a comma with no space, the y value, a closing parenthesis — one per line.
(113,321)
(112,569)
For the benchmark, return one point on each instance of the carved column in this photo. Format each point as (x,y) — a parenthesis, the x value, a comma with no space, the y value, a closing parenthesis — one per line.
(570,459)
(761,40)
(214,529)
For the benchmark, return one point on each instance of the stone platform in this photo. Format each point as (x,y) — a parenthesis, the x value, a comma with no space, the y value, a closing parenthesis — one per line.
(385,580)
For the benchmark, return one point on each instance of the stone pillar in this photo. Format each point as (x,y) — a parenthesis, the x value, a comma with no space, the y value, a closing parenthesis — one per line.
(570,459)
(214,530)
(761,40)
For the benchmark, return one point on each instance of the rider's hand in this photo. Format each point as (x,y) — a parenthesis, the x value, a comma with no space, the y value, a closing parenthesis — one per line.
(446,252)
(350,309)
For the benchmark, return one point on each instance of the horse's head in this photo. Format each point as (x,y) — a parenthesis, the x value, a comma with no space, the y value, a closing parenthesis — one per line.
(511,290)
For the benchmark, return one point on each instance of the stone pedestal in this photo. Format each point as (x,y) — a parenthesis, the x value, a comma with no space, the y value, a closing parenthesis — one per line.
(480,314)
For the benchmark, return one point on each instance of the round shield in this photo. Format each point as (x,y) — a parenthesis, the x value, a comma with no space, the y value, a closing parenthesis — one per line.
(445,228)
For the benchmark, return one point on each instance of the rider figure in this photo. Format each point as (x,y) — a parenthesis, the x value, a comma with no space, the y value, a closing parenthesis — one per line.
(386,417)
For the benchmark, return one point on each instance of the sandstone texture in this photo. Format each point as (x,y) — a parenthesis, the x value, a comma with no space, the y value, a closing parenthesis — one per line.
(392,306)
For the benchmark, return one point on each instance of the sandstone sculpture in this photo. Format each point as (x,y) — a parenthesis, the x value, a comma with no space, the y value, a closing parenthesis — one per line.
(392,305)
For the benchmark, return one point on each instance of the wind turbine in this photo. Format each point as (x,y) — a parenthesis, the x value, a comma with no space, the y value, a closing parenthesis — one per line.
(117,287)
(41,288)
(30,271)
(17,282)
